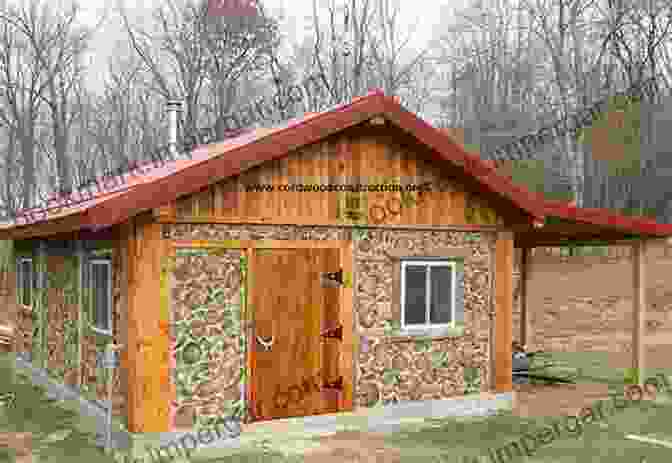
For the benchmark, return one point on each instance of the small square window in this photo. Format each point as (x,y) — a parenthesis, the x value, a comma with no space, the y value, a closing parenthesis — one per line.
(26,281)
(100,287)
(427,294)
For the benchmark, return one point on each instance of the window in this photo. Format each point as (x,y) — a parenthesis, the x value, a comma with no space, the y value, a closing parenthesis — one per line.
(427,293)
(26,281)
(100,285)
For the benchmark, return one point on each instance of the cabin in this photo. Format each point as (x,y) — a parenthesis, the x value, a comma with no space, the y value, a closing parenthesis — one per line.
(344,259)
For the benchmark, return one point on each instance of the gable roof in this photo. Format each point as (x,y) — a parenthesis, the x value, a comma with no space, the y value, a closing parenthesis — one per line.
(215,162)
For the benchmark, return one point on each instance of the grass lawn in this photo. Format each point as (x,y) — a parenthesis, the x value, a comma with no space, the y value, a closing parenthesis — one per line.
(59,433)
(600,441)
(595,367)
(451,440)
(464,440)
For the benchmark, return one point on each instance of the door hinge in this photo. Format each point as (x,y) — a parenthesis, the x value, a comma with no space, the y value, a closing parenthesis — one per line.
(337,385)
(328,279)
(333,333)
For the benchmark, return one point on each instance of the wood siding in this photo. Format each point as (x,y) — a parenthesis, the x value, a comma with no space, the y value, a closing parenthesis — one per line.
(365,156)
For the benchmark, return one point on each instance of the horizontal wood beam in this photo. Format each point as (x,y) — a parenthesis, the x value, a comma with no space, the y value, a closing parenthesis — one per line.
(312,222)
(22,231)
(260,244)
(599,240)
(591,233)
(460,252)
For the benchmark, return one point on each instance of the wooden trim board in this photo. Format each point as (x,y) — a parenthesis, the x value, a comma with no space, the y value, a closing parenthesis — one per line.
(312,222)
(260,244)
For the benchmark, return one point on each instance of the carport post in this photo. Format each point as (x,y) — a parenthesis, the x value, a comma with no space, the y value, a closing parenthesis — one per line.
(523,276)
(639,309)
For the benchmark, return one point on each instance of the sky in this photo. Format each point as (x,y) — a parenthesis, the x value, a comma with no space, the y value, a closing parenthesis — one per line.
(424,15)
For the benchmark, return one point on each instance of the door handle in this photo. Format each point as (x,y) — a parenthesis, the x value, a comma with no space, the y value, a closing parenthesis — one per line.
(267,345)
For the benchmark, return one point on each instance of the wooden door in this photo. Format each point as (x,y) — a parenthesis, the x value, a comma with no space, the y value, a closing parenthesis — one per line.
(295,345)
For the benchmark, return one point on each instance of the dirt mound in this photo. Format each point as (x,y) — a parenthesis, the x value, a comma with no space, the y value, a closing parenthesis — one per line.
(21,443)
(534,400)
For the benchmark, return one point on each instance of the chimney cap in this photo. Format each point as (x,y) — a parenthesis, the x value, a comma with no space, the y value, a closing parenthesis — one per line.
(174,104)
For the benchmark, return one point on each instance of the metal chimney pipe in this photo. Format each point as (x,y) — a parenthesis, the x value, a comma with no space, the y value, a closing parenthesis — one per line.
(173,107)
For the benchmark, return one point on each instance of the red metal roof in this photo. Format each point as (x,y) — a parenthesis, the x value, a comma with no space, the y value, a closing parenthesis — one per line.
(212,163)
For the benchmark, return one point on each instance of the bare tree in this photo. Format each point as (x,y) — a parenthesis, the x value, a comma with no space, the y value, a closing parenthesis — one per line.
(357,46)
(61,63)
(201,58)
(559,26)
(502,58)
(40,67)
(639,43)
(340,53)
(22,84)
(393,64)
(119,122)
(488,66)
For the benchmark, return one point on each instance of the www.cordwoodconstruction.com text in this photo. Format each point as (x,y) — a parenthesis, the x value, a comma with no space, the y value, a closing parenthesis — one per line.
(329,187)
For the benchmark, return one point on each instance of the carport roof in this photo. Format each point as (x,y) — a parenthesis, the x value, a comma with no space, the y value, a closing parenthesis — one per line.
(565,224)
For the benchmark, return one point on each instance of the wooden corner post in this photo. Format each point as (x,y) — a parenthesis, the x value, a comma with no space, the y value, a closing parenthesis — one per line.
(503,377)
(147,353)
(639,309)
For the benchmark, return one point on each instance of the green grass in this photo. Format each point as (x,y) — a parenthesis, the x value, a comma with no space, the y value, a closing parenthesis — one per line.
(59,433)
(595,367)
(251,456)
(446,440)
(449,440)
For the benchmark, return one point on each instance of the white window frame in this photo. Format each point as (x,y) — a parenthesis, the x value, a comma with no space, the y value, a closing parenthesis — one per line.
(108,264)
(429,263)
(19,286)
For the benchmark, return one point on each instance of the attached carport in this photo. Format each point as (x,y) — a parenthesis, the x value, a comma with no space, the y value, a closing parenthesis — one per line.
(565,224)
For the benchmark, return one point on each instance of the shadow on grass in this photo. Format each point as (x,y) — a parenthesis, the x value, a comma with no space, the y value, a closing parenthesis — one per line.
(595,367)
